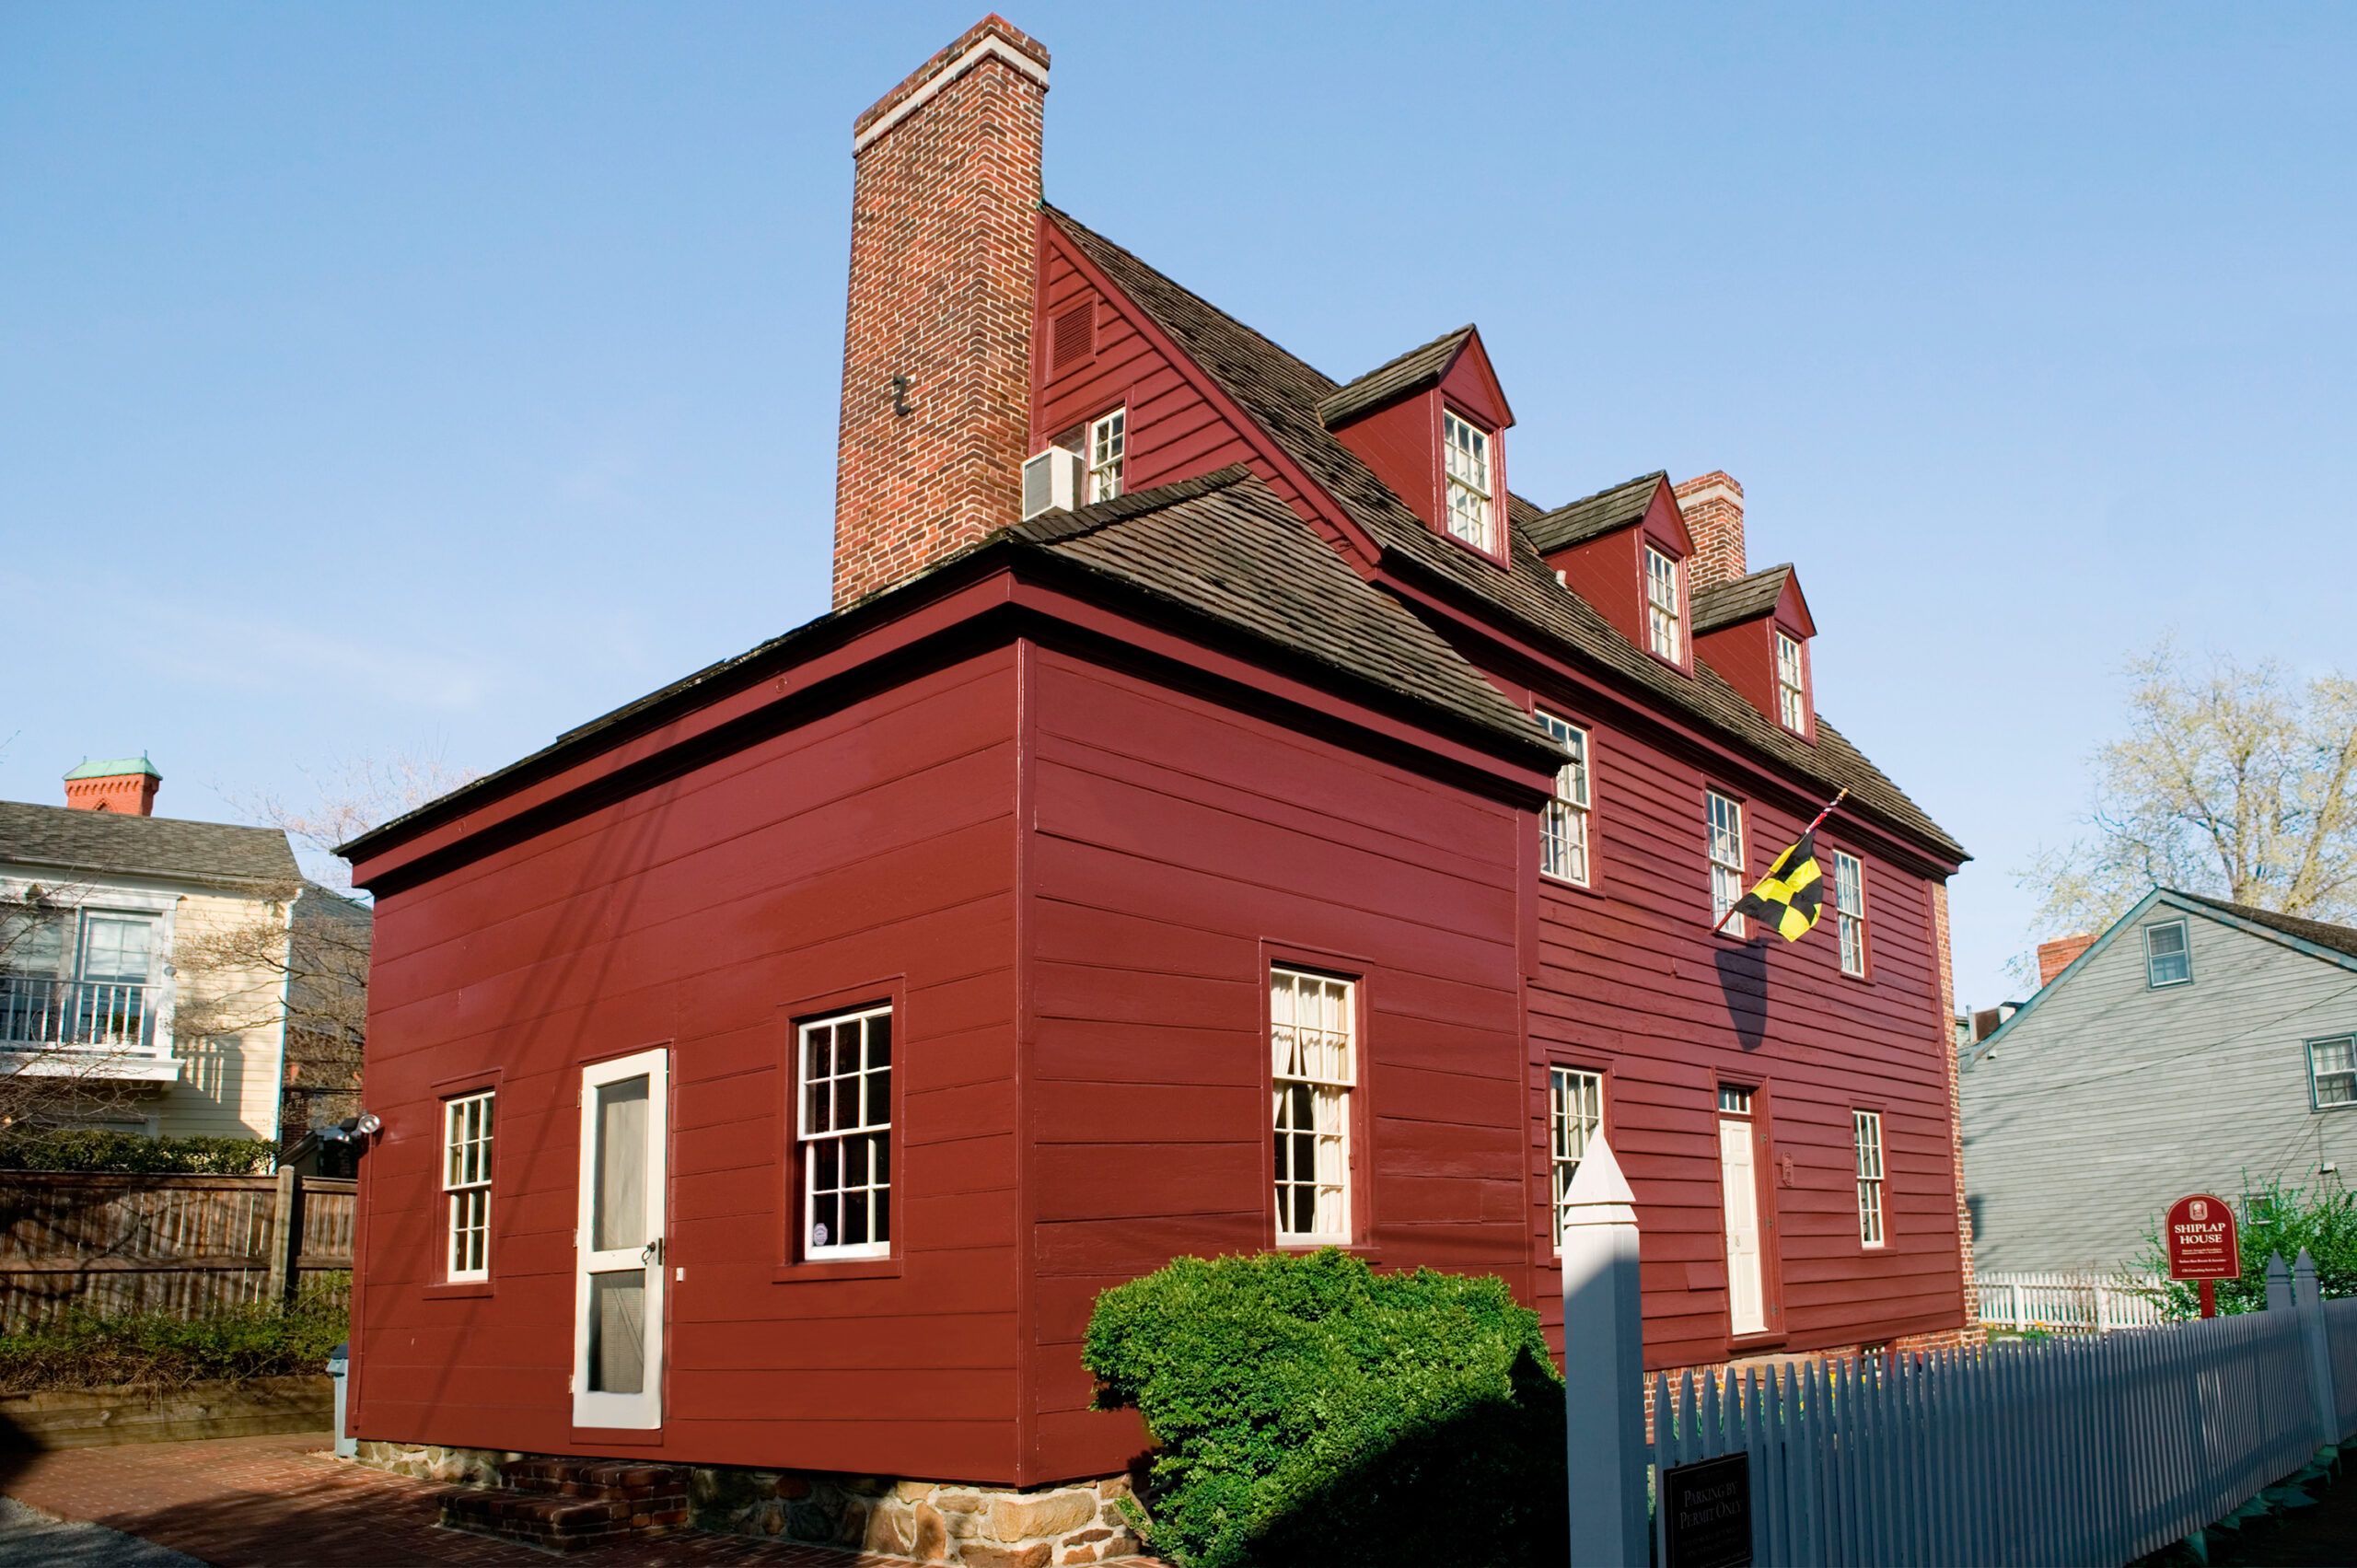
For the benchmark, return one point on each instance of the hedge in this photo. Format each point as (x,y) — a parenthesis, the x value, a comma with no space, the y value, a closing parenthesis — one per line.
(83,1350)
(85,1148)
(1308,1409)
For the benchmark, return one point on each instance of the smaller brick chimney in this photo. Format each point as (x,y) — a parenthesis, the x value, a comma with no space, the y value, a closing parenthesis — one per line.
(2055,956)
(1712,507)
(125,784)
(937,342)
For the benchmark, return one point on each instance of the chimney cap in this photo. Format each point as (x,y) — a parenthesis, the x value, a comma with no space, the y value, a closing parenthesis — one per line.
(115,767)
(994,35)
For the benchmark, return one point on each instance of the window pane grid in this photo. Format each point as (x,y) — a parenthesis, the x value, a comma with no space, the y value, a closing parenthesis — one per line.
(466,1180)
(846,1135)
(1470,510)
(2166,959)
(1108,446)
(1867,1128)
(1726,825)
(1792,692)
(1849,905)
(1575,1115)
(1661,604)
(1563,828)
(1313,1050)
(2332,1070)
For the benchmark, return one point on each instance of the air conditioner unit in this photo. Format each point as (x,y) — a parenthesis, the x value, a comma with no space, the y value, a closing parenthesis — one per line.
(1050,481)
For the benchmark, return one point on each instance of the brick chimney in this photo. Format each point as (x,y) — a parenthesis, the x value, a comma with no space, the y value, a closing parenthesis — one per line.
(125,784)
(937,341)
(2055,956)
(1713,506)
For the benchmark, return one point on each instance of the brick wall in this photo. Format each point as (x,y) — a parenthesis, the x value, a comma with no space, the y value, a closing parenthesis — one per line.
(2055,956)
(1712,507)
(1943,1034)
(945,204)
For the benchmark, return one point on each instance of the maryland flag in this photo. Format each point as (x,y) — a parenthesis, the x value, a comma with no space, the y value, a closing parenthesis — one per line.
(1787,898)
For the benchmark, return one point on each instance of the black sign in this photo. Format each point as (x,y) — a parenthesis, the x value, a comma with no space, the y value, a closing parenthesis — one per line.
(1706,1514)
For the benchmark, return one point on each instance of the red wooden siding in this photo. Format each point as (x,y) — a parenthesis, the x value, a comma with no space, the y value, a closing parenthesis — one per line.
(1745,652)
(1631,980)
(1177,848)
(870,853)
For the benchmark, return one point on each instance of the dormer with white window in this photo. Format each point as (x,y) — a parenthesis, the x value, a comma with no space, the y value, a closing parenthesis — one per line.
(1626,552)
(1430,424)
(1755,633)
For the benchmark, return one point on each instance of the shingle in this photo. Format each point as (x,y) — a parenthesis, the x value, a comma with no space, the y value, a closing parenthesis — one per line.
(1282,393)
(160,846)
(1412,371)
(1740,599)
(1590,515)
(2340,938)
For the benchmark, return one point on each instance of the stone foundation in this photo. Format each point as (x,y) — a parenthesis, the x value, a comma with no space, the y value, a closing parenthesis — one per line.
(947,1522)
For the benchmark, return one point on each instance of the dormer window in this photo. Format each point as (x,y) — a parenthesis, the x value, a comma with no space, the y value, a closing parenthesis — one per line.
(1664,608)
(1472,511)
(1108,443)
(1792,685)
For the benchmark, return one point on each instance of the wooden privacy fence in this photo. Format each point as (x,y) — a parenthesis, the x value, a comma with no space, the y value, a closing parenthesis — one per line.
(2091,1450)
(183,1245)
(2070,1304)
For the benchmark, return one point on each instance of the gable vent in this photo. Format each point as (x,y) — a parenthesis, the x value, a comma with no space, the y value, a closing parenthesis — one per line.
(1072,337)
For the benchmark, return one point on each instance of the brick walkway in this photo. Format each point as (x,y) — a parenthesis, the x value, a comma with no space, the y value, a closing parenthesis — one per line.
(266,1502)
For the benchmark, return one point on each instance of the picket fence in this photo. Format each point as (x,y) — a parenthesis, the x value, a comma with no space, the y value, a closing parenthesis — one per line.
(2070,1304)
(2088,1450)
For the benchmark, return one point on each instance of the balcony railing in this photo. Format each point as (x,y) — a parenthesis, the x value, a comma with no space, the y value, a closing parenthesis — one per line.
(104,1015)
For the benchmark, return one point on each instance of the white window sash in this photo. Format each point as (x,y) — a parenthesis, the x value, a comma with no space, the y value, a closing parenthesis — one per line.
(2340,1075)
(1472,507)
(1313,1044)
(2181,956)
(1849,910)
(865,1141)
(1108,445)
(1865,1131)
(1575,1117)
(1723,824)
(467,1130)
(1563,828)
(1664,612)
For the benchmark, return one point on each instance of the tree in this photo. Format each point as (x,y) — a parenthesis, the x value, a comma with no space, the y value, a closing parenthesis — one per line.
(348,797)
(2231,781)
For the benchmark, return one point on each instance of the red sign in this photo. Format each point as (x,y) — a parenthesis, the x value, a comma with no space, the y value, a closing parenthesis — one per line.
(2202,1243)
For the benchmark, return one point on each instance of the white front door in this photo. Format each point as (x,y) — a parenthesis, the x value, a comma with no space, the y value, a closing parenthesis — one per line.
(1747,1302)
(617,1319)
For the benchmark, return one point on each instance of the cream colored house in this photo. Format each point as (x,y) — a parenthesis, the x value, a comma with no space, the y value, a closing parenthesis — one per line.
(126,999)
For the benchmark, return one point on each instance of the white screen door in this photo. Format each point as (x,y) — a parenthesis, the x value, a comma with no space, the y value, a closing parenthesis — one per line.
(1746,1305)
(618,1321)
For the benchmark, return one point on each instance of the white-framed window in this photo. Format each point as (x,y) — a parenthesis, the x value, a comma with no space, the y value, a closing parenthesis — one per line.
(1108,441)
(1866,1129)
(1665,609)
(1313,1041)
(846,1134)
(1792,685)
(1563,830)
(1850,909)
(2332,1072)
(466,1186)
(1726,831)
(1574,1116)
(1472,509)
(1735,1100)
(2169,960)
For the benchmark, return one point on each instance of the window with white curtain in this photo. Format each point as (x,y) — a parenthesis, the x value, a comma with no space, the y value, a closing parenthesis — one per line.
(1313,1041)
(2332,1072)
(466,1186)
(1574,1116)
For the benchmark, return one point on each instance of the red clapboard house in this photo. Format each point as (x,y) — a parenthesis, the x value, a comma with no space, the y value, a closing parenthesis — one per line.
(1298,839)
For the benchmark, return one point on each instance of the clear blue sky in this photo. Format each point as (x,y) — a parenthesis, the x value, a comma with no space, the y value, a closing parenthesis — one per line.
(434,377)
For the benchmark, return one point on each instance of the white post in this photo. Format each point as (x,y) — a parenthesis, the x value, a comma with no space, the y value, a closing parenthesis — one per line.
(2308,1298)
(1604,1394)
(2021,1320)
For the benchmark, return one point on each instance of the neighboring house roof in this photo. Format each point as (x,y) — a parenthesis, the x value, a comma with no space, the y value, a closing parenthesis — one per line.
(1411,372)
(223,853)
(2318,939)
(1740,599)
(1592,516)
(115,767)
(1282,394)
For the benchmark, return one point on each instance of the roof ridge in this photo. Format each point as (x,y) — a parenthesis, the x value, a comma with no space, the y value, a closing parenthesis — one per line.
(1054,528)
(1384,383)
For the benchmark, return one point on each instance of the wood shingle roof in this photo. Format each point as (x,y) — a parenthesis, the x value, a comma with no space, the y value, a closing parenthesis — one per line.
(1740,599)
(109,842)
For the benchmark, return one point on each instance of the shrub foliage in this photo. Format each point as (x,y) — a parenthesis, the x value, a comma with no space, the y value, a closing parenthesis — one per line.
(1308,1410)
(96,1149)
(2278,1217)
(82,1350)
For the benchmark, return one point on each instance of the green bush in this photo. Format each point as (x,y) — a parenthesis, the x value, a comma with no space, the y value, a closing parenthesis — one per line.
(2276,1219)
(86,1148)
(1308,1410)
(81,1350)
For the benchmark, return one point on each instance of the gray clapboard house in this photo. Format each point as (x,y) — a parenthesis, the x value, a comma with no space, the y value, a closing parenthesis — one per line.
(2196,1046)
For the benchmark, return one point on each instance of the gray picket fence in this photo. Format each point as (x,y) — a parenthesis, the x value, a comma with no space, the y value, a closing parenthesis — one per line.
(2090,1450)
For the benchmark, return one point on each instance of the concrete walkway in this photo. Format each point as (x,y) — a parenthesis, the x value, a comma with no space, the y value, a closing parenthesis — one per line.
(268,1502)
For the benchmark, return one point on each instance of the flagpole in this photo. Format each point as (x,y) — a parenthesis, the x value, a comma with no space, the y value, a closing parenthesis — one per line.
(1813,823)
